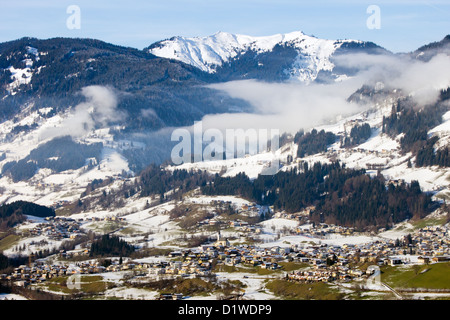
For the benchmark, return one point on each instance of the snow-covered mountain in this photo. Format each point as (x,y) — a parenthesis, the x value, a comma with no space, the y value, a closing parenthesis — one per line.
(41,101)
(107,100)
(304,56)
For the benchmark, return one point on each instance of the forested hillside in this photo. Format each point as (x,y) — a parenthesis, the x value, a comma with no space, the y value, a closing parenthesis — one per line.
(313,142)
(414,122)
(110,246)
(58,68)
(342,196)
(16,212)
(59,154)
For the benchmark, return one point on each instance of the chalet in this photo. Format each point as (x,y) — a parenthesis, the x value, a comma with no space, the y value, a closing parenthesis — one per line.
(375,166)
(175,254)
(222,256)
(317,262)
(356,273)
(247,258)
(20,283)
(171,296)
(395,261)
(269,266)
(229,262)
(441,258)
(191,257)
(157,271)
(207,248)
(212,222)
(303,259)
(99,269)
(171,270)
(423,260)
(396,183)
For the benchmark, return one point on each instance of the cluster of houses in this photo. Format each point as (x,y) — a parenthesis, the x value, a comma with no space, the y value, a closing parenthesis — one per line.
(96,219)
(322,230)
(324,262)
(57,229)
(332,262)
(378,153)
(36,273)
(432,242)
(245,227)
(321,275)
(192,266)
(39,271)
(428,245)
(249,210)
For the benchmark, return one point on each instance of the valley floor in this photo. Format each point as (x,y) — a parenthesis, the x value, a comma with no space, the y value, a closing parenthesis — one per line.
(279,258)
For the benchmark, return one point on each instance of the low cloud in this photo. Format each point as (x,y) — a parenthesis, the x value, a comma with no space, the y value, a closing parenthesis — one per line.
(419,79)
(99,110)
(424,80)
(294,106)
(149,113)
(285,106)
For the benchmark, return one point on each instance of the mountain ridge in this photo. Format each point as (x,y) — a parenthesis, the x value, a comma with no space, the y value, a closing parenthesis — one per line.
(153,94)
(213,53)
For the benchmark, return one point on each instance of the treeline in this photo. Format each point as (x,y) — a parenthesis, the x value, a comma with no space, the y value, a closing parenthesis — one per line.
(445,94)
(154,180)
(358,135)
(6,263)
(313,142)
(415,123)
(239,185)
(20,170)
(15,213)
(59,154)
(287,190)
(427,156)
(343,196)
(363,201)
(110,245)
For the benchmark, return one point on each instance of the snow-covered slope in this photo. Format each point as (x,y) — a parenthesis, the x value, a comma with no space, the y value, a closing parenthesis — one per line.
(48,187)
(379,151)
(23,73)
(209,53)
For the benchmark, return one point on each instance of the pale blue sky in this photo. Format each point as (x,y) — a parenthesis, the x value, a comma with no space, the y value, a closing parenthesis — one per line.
(405,25)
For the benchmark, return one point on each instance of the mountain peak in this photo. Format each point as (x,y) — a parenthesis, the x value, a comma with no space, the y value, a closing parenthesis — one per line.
(305,55)
(428,51)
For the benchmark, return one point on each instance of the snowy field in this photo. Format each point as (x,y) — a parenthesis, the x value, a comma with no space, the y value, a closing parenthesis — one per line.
(11,296)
